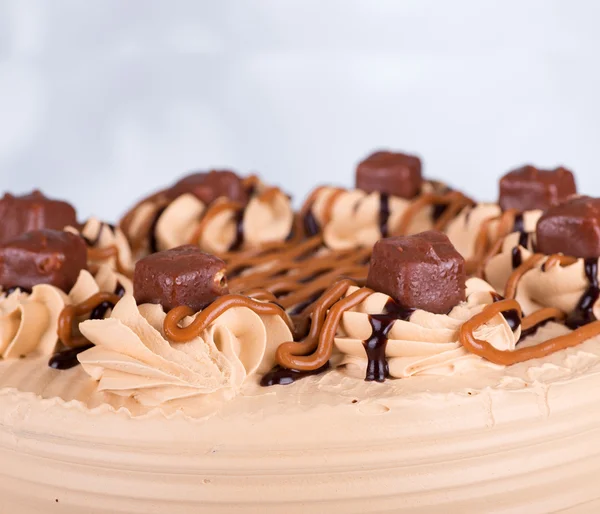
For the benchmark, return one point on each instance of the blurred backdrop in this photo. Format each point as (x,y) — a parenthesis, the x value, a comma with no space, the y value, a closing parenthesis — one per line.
(104,100)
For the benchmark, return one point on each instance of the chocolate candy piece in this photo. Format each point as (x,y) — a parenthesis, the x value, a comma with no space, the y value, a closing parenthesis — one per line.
(180,276)
(20,214)
(42,257)
(207,187)
(572,228)
(391,173)
(423,271)
(529,188)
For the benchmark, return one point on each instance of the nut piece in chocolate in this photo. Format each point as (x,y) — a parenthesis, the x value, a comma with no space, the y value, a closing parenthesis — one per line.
(571,228)
(391,173)
(180,276)
(529,188)
(207,187)
(42,257)
(20,214)
(423,271)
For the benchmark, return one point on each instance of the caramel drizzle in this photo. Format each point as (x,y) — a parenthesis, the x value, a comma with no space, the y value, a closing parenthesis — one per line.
(484,248)
(70,313)
(180,334)
(455,200)
(532,262)
(106,253)
(315,350)
(510,357)
(294,273)
(327,205)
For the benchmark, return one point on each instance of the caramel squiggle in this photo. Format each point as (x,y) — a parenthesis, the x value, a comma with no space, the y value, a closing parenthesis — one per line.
(295,273)
(483,249)
(508,357)
(183,334)
(541,316)
(106,253)
(455,200)
(211,214)
(71,312)
(315,350)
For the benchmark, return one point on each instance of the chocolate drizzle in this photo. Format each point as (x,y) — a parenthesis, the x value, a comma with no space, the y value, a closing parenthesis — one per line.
(311,226)
(239,231)
(284,376)
(381,324)
(298,308)
(516,257)
(67,359)
(511,317)
(100,311)
(533,329)
(12,289)
(384,214)
(584,311)
(519,226)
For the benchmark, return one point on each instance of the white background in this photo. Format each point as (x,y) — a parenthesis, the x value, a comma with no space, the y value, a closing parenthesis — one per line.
(102,101)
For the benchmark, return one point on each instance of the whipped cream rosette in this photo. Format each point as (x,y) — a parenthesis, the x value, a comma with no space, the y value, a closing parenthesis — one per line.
(525,193)
(529,270)
(390,198)
(422,344)
(29,321)
(134,357)
(477,229)
(354,218)
(217,211)
(107,245)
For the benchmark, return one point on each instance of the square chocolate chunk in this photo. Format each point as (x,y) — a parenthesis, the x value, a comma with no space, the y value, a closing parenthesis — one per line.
(207,187)
(42,257)
(423,271)
(529,188)
(571,228)
(180,276)
(20,214)
(391,173)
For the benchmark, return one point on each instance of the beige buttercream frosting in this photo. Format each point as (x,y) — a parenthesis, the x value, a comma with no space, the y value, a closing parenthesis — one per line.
(132,356)
(266,218)
(29,322)
(426,343)
(464,228)
(355,216)
(557,286)
(103,235)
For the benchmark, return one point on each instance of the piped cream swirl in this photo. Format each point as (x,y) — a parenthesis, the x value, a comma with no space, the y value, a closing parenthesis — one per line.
(134,358)
(352,218)
(477,228)
(216,228)
(558,286)
(102,236)
(425,344)
(29,322)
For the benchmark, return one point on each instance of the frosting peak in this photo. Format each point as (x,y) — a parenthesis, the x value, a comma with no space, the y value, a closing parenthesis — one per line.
(133,356)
